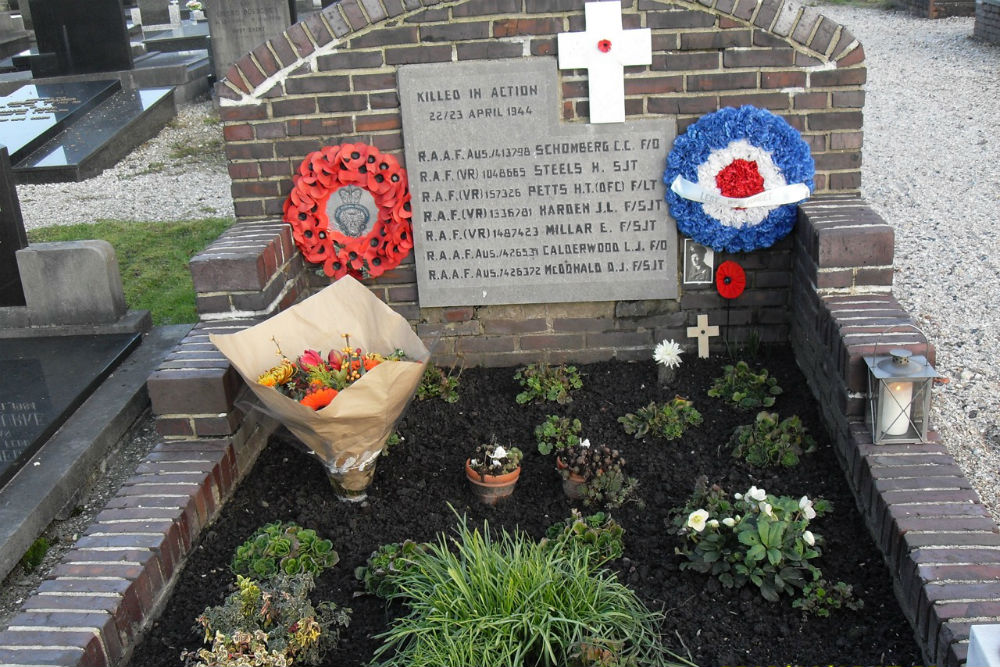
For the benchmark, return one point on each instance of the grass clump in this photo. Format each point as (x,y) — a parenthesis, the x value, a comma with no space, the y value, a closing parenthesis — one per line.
(667,421)
(152,258)
(542,382)
(507,600)
(33,557)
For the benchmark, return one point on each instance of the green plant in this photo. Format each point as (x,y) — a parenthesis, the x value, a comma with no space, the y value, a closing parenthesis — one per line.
(745,389)
(394,440)
(605,483)
(271,624)
(819,598)
(667,421)
(476,599)
(152,259)
(379,573)
(493,459)
(542,382)
(768,442)
(33,557)
(757,538)
(435,383)
(597,534)
(557,433)
(283,548)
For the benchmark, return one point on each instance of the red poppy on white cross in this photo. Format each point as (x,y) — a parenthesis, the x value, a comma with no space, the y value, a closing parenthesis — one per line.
(604,50)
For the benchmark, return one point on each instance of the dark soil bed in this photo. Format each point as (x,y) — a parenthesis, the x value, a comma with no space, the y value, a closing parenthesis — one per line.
(418,479)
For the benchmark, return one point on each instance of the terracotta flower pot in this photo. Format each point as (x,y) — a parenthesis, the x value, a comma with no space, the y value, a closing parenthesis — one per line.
(573,486)
(491,488)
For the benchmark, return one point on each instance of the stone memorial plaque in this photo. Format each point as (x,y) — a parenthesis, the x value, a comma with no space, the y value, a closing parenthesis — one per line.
(238,26)
(510,205)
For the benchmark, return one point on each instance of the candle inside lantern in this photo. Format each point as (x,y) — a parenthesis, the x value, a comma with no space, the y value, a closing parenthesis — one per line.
(894,417)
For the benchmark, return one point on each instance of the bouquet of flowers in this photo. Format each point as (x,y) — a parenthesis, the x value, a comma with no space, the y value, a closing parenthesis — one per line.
(346,404)
(314,380)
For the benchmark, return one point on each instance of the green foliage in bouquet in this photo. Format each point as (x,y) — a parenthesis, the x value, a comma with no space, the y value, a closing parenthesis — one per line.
(745,389)
(283,548)
(667,421)
(557,434)
(542,382)
(768,442)
(270,624)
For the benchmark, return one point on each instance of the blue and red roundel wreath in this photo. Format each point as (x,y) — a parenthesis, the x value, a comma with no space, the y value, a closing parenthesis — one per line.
(734,177)
(370,231)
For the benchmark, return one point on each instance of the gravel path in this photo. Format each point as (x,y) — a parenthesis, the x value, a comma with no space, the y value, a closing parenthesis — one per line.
(932,137)
(178,175)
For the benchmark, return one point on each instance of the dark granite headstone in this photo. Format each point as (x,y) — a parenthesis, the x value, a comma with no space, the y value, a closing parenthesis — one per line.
(78,37)
(154,12)
(12,236)
(42,381)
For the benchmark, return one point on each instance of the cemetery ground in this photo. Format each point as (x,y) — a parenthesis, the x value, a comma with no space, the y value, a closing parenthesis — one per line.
(418,482)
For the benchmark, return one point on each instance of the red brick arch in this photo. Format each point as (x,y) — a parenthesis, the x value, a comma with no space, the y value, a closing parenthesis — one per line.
(331,78)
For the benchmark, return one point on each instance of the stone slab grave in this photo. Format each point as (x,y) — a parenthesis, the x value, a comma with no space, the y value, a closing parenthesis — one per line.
(188,36)
(512,206)
(154,12)
(73,130)
(42,381)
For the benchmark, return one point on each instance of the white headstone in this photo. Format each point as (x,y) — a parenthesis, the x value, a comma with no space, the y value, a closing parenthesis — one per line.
(604,50)
(984,646)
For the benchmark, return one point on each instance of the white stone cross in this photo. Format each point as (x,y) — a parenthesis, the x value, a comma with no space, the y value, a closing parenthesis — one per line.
(603,50)
(703,332)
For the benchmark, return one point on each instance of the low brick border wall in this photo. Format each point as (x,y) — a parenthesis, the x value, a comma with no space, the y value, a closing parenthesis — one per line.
(987,26)
(936,536)
(939,9)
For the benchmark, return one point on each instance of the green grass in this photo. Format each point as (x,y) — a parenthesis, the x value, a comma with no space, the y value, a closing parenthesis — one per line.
(507,600)
(152,257)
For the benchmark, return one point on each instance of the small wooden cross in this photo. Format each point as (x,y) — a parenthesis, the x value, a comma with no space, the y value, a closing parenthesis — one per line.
(703,332)
(603,50)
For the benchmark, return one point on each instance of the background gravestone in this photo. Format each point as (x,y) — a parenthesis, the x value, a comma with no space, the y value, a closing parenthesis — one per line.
(12,236)
(77,37)
(154,12)
(237,26)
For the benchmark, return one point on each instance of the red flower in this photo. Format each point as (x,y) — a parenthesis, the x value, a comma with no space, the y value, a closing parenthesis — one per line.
(740,178)
(319,399)
(604,45)
(730,279)
(310,358)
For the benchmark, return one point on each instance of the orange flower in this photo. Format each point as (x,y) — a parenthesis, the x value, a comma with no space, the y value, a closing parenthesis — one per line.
(371,362)
(319,399)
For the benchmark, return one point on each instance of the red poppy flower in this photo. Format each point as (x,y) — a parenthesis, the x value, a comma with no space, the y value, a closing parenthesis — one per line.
(604,45)
(730,279)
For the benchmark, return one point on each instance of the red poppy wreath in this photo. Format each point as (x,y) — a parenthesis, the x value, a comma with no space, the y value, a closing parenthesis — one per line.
(350,210)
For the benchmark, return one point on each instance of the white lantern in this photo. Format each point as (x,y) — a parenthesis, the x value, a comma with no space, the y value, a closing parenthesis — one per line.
(899,391)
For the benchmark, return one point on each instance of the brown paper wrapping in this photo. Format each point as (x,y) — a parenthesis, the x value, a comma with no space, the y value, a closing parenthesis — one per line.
(350,432)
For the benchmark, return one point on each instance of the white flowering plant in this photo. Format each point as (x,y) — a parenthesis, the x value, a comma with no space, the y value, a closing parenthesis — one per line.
(667,353)
(755,537)
(495,459)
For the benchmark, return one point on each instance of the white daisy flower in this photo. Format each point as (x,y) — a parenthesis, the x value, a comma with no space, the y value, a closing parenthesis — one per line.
(667,353)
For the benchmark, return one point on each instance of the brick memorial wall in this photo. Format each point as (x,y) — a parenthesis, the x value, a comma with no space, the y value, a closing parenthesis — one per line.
(987,26)
(340,77)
